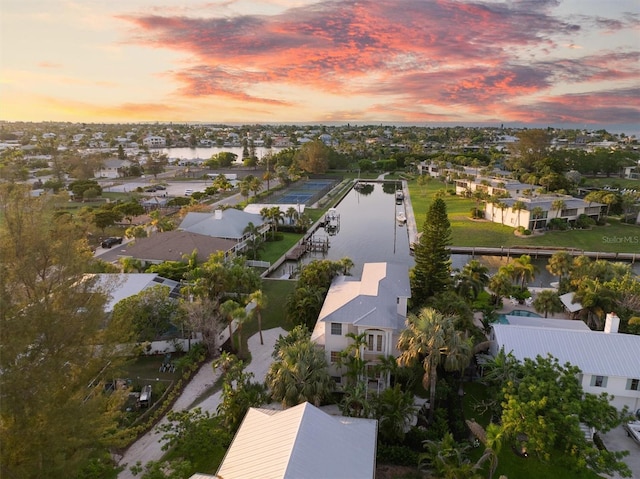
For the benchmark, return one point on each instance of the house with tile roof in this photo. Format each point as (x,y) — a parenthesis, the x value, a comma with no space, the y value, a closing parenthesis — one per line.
(302,441)
(375,305)
(609,360)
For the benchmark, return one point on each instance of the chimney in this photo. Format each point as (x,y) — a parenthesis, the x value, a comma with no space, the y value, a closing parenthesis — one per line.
(217,214)
(611,323)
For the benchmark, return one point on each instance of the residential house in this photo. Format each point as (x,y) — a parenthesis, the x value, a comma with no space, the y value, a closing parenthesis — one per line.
(375,305)
(175,245)
(113,168)
(505,213)
(152,141)
(226,224)
(119,286)
(609,360)
(302,441)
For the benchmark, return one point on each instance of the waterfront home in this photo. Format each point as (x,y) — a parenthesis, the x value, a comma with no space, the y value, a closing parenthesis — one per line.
(535,212)
(375,305)
(176,245)
(226,224)
(152,141)
(302,441)
(609,361)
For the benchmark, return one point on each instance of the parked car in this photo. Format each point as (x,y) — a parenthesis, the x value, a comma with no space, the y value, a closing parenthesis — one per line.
(109,242)
(161,187)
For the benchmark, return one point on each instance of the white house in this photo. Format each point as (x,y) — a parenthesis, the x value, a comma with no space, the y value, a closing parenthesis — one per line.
(118,286)
(154,141)
(375,305)
(609,361)
(571,209)
(302,441)
(113,168)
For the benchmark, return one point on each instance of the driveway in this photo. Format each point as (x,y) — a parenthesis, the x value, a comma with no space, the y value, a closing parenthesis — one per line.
(618,440)
(149,447)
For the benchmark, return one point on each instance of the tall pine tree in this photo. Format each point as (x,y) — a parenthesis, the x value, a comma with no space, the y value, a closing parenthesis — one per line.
(432,271)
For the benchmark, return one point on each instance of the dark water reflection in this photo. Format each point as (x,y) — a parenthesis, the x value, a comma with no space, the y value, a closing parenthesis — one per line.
(369,232)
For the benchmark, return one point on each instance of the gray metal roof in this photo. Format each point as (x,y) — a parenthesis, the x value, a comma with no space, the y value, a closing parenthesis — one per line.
(594,352)
(229,223)
(371,301)
(301,442)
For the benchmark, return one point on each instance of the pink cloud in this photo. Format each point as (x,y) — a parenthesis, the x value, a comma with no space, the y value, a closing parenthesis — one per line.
(441,53)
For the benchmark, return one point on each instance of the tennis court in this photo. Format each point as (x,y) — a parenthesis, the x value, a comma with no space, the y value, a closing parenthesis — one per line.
(304,193)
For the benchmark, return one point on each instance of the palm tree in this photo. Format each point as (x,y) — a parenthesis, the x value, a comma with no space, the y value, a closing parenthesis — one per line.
(472,279)
(517,207)
(560,264)
(240,315)
(291,214)
(536,213)
(299,374)
(431,337)
(558,205)
(254,240)
(394,409)
(500,284)
(547,301)
(351,356)
(260,301)
(523,269)
(346,264)
(227,310)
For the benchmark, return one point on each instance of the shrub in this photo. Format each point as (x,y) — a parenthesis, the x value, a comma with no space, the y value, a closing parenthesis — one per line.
(397,455)
(526,232)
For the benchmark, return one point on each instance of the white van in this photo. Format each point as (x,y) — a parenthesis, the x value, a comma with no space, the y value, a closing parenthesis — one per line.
(188,192)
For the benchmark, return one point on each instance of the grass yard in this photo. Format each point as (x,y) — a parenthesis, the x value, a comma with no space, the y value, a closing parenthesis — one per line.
(274,250)
(614,237)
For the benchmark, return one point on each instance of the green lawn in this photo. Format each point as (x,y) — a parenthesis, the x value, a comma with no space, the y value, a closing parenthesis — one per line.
(274,250)
(614,237)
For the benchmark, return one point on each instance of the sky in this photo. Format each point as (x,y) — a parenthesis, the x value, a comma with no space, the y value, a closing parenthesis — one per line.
(573,63)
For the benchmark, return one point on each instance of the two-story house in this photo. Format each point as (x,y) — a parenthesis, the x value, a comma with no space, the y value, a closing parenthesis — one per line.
(609,360)
(375,305)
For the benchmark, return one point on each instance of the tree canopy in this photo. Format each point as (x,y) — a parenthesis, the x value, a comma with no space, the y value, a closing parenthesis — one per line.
(431,273)
(55,416)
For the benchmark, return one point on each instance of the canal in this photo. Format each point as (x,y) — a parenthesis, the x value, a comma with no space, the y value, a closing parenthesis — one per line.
(369,232)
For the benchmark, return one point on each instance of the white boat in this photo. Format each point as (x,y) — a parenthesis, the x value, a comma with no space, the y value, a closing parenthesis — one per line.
(399,197)
(401,217)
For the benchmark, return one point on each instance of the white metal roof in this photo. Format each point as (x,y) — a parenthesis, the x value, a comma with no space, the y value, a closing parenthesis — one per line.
(547,322)
(301,442)
(567,301)
(229,223)
(119,286)
(372,301)
(594,352)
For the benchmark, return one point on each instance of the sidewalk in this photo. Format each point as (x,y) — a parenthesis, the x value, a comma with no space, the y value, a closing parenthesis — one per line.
(149,447)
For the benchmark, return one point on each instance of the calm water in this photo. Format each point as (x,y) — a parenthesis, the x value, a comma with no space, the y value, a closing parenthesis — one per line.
(370,233)
(206,153)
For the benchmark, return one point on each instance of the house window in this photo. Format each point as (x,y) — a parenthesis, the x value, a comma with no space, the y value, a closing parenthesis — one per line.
(335,356)
(337,379)
(373,372)
(599,381)
(336,329)
(633,384)
(374,342)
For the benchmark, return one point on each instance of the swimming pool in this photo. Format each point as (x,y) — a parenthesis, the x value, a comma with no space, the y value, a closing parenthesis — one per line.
(502,318)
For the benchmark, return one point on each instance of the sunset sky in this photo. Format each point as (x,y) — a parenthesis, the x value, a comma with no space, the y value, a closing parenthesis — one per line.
(539,62)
